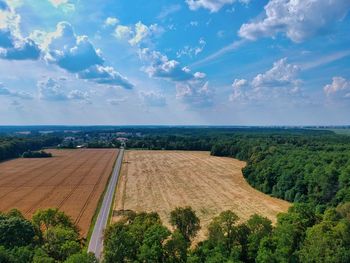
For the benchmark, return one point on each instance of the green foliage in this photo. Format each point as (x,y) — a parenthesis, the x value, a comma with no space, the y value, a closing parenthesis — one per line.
(52,217)
(15,231)
(50,237)
(138,236)
(151,249)
(328,241)
(13,147)
(302,168)
(185,221)
(36,154)
(82,258)
(176,248)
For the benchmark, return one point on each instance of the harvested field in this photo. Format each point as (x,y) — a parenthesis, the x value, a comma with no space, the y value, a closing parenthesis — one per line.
(72,181)
(162,180)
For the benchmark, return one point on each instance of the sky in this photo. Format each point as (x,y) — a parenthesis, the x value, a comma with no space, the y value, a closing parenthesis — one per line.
(175,62)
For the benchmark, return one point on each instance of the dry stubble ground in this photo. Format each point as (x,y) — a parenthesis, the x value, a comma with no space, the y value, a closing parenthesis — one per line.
(162,180)
(72,180)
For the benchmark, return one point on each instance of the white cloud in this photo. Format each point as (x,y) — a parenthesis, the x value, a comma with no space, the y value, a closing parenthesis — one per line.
(212,5)
(168,10)
(4,91)
(159,66)
(339,88)
(69,51)
(77,54)
(281,80)
(50,89)
(13,45)
(281,74)
(297,19)
(123,32)
(239,89)
(137,34)
(153,99)
(192,51)
(105,75)
(65,5)
(196,94)
(111,21)
(141,32)
(78,95)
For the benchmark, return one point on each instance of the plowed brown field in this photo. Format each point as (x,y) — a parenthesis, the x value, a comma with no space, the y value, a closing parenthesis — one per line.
(72,180)
(162,180)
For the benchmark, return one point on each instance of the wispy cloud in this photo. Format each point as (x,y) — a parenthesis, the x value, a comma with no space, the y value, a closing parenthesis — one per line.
(235,45)
(168,10)
(324,60)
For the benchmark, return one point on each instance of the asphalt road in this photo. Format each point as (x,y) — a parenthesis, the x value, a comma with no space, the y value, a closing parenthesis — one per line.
(96,241)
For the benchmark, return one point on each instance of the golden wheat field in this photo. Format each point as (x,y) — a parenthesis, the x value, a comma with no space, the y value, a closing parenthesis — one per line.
(162,180)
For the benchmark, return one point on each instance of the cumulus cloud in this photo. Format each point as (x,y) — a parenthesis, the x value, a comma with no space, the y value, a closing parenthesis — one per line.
(196,93)
(282,79)
(50,89)
(153,99)
(69,51)
(76,54)
(298,20)
(192,51)
(123,32)
(239,87)
(281,74)
(26,49)
(105,75)
(111,21)
(13,45)
(78,95)
(339,88)
(212,5)
(161,67)
(4,91)
(137,33)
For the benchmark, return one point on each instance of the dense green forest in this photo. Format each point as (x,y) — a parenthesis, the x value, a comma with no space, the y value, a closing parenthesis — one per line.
(301,235)
(48,238)
(13,147)
(313,169)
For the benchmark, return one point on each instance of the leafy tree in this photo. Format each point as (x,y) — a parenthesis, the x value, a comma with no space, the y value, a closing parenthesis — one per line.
(185,221)
(328,241)
(52,217)
(60,243)
(176,248)
(223,229)
(40,256)
(82,258)
(151,249)
(15,231)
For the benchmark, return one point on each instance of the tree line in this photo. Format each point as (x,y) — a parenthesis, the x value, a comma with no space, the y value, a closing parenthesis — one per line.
(311,169)
(13,147)
(49,237)
(301,235)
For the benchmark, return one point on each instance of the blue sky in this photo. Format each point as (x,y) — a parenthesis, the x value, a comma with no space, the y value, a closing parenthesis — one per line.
(211,62)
